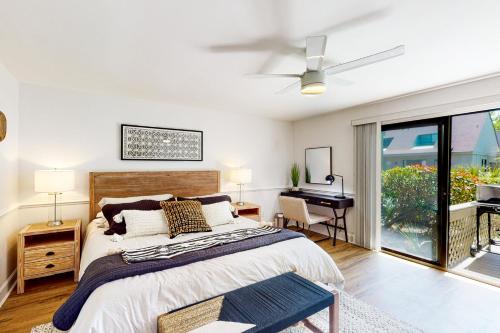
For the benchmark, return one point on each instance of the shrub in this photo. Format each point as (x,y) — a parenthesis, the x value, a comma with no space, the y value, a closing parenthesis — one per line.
(463,184)
(490,176)
(409,196)
(409,193)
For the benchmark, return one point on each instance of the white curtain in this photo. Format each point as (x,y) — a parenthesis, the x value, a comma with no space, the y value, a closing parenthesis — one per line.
(366,178)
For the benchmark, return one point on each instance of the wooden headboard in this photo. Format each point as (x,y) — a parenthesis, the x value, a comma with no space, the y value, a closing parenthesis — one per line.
(136,183)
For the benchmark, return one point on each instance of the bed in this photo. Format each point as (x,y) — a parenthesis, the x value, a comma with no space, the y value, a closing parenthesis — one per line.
(133,304)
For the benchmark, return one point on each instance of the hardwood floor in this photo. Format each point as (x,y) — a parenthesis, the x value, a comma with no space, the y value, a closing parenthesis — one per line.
(40,300)
(430,299)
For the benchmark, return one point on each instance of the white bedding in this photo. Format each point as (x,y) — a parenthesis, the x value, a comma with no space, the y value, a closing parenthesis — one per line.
(133,304)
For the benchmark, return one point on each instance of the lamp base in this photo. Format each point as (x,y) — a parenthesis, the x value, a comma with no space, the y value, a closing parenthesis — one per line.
(339,196)
(240,203)
(54,223)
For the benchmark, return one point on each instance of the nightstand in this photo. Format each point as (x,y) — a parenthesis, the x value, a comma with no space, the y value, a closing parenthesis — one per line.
(44,251)
(248,210)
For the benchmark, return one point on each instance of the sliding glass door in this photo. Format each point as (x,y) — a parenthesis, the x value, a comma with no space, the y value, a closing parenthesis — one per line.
(415,166)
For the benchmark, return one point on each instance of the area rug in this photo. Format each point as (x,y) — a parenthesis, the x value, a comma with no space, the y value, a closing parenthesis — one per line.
(355,317)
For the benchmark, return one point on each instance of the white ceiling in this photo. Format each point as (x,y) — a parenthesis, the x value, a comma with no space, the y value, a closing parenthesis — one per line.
(167,50)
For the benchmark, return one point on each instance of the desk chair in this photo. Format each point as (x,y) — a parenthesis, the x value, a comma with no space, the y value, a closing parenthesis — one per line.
(295,209)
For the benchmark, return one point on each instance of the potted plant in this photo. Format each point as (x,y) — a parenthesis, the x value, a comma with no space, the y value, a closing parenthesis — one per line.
(295,176)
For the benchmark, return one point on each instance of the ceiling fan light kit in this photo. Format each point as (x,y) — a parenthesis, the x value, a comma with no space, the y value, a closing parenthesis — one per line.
(313,83)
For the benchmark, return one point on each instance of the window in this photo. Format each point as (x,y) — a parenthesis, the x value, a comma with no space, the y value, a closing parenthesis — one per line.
(386,142)
(426,139)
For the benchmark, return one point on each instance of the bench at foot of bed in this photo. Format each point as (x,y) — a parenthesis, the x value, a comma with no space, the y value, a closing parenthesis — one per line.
(271,305)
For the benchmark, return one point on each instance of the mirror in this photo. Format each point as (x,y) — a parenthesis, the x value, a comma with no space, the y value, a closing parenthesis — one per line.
(318,165)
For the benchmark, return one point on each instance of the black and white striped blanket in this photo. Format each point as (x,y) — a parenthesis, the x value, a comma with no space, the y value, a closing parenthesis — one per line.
(172,250)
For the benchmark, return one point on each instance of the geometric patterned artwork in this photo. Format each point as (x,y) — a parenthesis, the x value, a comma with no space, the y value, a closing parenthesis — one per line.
(161,144)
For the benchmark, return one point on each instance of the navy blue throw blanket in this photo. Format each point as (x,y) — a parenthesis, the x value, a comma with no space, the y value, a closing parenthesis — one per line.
(112,267)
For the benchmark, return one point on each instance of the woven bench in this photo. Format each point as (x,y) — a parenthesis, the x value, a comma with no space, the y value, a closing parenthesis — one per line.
(271,305)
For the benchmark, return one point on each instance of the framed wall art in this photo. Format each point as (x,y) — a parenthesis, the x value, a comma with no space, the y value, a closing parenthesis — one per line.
(145,143)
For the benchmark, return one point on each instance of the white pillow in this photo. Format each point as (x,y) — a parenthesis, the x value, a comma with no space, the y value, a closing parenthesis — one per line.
(144,222)
(217,213)
(158,197)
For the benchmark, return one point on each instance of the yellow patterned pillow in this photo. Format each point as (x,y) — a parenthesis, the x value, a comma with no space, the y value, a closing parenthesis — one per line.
(184,217)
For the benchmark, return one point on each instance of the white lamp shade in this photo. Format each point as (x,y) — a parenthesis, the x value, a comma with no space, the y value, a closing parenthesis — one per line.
(54,181)
(241,176)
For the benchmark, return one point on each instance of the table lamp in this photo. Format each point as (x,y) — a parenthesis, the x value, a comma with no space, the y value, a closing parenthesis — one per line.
(54,182)
(241,177)
(331,179)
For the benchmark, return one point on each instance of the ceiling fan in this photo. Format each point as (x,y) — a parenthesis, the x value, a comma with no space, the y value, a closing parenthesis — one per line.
(313,80)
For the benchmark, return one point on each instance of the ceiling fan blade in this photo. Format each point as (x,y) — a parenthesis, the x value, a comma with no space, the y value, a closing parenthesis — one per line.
(267,75)
(315,51)
(294,86)
(353,22)
(371,59)
(340,82)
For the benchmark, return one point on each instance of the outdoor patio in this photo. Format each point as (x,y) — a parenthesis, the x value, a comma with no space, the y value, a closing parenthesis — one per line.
(462,235)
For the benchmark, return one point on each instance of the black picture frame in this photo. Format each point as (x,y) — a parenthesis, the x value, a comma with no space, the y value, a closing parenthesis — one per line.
(122,152)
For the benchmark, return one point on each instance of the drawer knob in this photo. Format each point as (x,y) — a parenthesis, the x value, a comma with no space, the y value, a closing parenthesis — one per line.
(50,253)
(325,203)
(49,266)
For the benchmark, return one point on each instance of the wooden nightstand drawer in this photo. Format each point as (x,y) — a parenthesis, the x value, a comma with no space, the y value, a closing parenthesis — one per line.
(48,267)
(49,252)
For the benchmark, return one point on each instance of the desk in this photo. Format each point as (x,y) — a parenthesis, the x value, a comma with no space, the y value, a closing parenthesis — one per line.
(326,201)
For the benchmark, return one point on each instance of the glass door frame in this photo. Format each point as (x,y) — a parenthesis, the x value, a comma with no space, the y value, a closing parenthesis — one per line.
(443,190)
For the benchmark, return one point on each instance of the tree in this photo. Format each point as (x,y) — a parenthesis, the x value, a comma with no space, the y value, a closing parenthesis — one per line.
(495,118)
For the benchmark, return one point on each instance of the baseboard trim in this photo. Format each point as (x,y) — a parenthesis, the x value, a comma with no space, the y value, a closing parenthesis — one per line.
(7,287)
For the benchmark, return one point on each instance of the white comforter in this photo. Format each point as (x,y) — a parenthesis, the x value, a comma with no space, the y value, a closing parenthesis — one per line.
(133,304)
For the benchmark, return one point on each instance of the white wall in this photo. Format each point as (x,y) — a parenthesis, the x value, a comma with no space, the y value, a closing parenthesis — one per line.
(335,129)
(81,131)
(8,181)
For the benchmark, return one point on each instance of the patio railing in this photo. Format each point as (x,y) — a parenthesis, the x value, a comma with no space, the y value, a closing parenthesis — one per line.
(462,231)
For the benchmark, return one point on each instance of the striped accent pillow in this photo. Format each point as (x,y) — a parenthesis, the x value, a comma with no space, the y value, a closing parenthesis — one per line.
(184,217)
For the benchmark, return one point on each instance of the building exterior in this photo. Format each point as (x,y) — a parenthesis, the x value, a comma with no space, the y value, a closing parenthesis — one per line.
(474,143)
